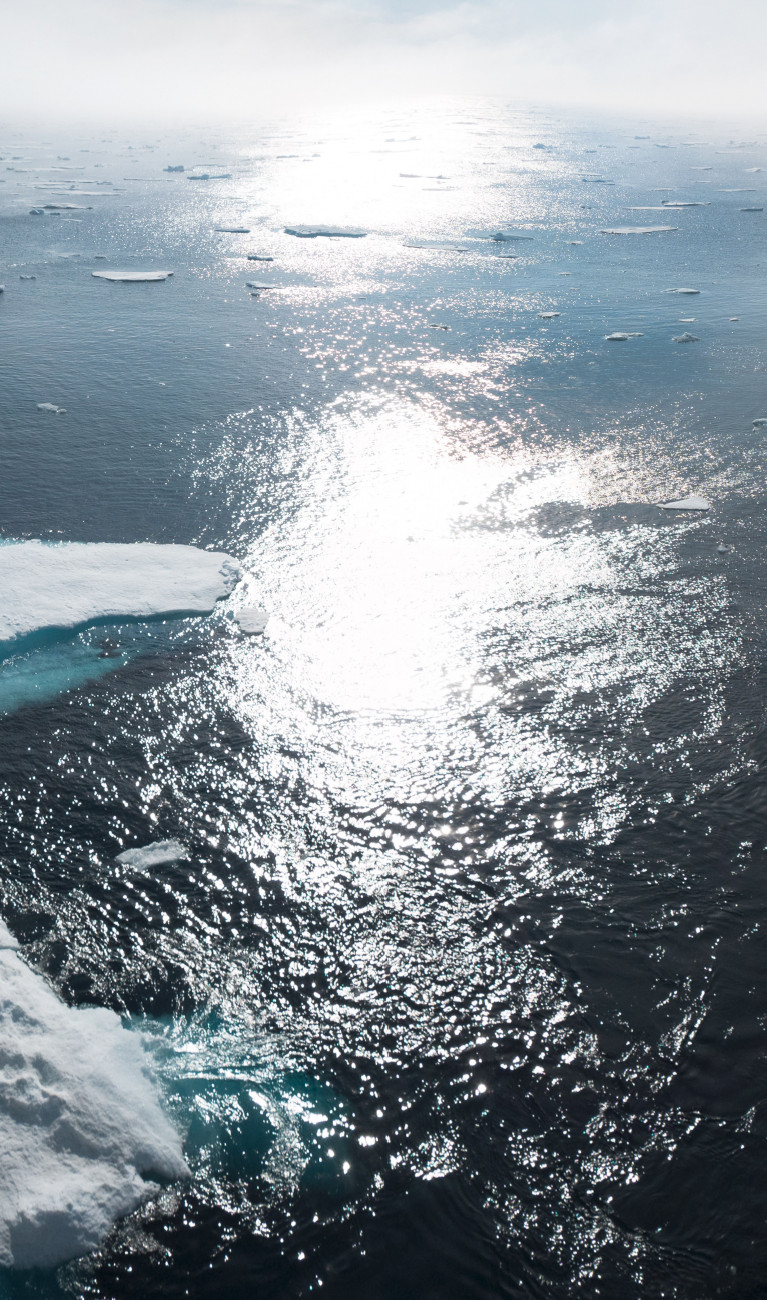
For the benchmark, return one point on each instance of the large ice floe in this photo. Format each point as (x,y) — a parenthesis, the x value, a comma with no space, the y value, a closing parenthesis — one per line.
(83,1136)
(131,277)
(65,585)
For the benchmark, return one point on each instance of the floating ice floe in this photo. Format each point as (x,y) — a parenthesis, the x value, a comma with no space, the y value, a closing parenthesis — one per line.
(760,422)
(27,277)
(621,337)
(687,337)
(259,284)
(722,549)
(436,245)
(82,1131)
(638,230)
(687,503)
(259,257)
(160,853)
(178,168)
(752,209)
(678,203)
(69,584)
(132,277)
(507,237)
(683,291)
(252,620)
(548,315)
(49,406)
(208,176)
(36,212)
(232,230)
(327,232)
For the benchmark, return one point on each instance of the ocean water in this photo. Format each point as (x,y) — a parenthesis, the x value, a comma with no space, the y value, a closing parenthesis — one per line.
(461,992)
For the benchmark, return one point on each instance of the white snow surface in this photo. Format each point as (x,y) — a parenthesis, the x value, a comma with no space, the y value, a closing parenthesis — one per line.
(82,1132)
(157,854)
(68,584)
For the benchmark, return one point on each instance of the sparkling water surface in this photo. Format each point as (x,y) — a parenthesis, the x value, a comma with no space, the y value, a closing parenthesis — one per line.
(461,993)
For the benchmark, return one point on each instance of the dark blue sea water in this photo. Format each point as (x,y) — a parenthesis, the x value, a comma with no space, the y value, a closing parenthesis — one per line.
(462,993)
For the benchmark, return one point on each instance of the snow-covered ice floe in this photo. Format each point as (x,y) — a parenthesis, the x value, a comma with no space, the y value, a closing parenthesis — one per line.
(759,422)
(328,232)
(158,854)
(687,503)
(82,1132)
(687,337)
(252,620)
(131,276)
(68,584)
(638,230)
(683,291)
(621,337)
(51,408)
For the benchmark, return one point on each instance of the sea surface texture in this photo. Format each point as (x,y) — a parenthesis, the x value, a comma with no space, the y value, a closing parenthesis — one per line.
(449,978)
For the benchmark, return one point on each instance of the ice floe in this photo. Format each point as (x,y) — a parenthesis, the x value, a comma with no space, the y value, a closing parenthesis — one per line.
(620,337)
(69,584)
(49,406)
(327,232)
(259,284)
(252,620)
(131,277)
(687,503)
(760,422)
(548,315)
(683,291)
(638,230)
(687,337)
(259,257)
(232,230)
(160,853)
(82,1131)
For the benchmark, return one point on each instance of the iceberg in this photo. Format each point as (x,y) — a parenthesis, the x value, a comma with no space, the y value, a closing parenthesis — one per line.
(49,406)
(687,503)
(83,1135)
(132,277)
(159,853)
(687,337)
(62,585)
(252,620)
(327,232)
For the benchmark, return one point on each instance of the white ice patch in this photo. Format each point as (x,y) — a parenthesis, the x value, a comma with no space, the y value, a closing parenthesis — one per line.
(639,230)
(132,277)
(68,584)
(49,406)
(328,232)
(158,854)
(232,230)
(687,503)
(683,291)
(620,337)
(82,1132)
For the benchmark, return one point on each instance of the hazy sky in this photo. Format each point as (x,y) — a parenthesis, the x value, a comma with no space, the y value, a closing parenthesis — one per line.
(214,58)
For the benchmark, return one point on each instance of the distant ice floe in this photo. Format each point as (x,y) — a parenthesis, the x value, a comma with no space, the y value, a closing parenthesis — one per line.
(326,232)
(259,257)
(760,422)
(131,277)
(49,406)
(232,230)
(620,337)
(752,209)
(687,503)
(548,315)
(437,245)
(683,291)
(252,620)
(208,176)
(259,284)
(160,853)
(677,203)
(687,337)
(638,230)
(69,584)
(82,1131)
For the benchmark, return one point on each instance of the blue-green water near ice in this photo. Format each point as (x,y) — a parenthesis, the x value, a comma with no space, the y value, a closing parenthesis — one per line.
(463,989)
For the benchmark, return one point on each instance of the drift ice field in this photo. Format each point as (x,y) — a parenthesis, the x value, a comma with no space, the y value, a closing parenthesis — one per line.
(382,686)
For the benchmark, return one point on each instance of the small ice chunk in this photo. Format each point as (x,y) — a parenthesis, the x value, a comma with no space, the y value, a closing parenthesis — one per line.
(258,257)
(252,620)
(752,209)
(232,230)
(687,337)
(326,232)
(722,549)
(621,337)
(734,318)
(760,422)
(683,291)
(687,503)
(49,406)
(259,284)
(677,203)
(160,853)
(133,277)
(27,277)
(507,237)
(548,315)
(36,212)
(178,168)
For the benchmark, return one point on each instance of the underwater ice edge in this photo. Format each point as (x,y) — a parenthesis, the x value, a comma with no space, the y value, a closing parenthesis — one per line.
(470,507)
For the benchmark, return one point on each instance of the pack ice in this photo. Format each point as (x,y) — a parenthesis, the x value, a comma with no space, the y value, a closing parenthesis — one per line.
(68,584)
(82,1132)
